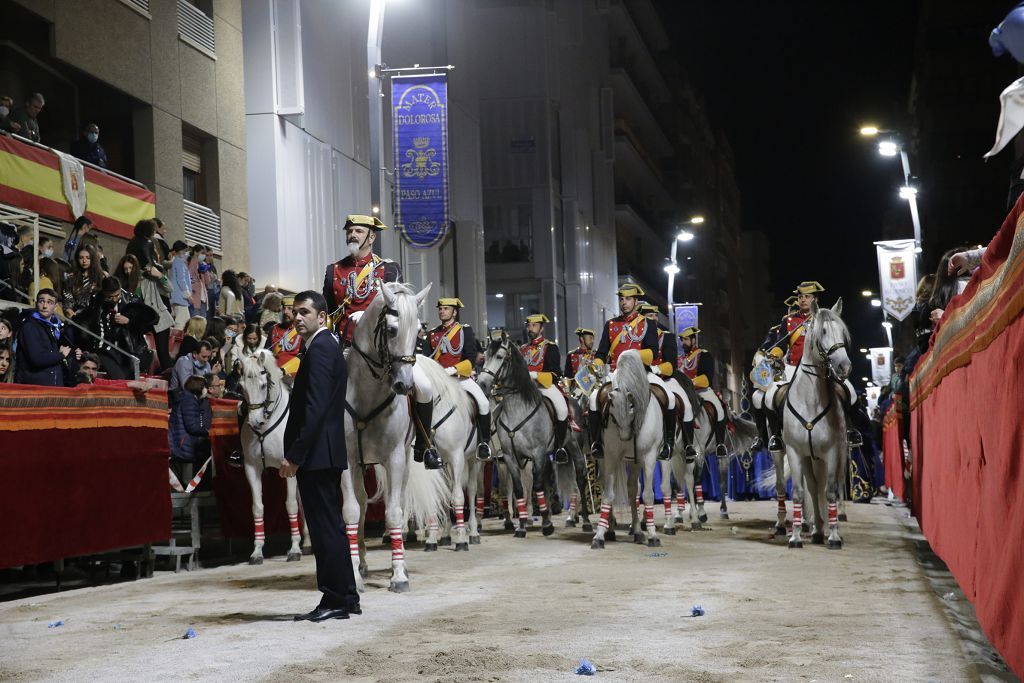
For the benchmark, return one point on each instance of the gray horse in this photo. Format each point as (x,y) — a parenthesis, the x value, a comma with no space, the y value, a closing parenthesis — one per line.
(814,427)
(525,431)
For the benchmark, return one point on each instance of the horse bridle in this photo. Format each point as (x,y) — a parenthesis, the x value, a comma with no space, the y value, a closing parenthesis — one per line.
(385,360)
(825,356)
(268,409)
(501,374)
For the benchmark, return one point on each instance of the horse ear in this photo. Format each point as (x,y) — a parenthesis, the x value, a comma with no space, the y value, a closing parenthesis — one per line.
(389,296)
(423,293)
(837,307)
(814,306)
(267,359)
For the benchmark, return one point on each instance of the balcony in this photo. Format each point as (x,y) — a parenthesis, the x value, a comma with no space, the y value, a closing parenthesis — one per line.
(632,106)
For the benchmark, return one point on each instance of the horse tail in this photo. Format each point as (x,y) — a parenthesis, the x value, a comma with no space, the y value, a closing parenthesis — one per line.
(766,481)
(427,493)
(380,475)
(565,482)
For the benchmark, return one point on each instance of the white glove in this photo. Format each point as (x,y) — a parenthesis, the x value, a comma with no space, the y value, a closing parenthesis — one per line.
(533,375)
(452,372)
(656,370)
(356,316)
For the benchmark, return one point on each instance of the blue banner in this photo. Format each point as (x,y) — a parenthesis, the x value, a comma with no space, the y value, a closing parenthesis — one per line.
(420,131)
(686,316)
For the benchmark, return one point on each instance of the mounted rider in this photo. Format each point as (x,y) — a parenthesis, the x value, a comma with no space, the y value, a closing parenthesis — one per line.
(581,356)
(349,286)
(631,330)
(767,366)
(453,345)
(284,341)
(699,365)
(543,359)
(666,363)
(790,345)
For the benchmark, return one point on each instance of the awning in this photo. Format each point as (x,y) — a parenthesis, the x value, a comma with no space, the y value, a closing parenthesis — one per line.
(30,178)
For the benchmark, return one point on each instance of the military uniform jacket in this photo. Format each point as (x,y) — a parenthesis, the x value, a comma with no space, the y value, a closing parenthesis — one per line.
(284,343)
(577,358)
(699,366)
(351,284)
(453,346)
(627,332)
(542,356)
(795,327)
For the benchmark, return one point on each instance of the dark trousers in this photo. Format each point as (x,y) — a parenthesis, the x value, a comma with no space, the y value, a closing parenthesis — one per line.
(320,491)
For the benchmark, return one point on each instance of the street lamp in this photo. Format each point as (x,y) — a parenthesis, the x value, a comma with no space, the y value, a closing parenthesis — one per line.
(672,268)
(866,293)
(890,148)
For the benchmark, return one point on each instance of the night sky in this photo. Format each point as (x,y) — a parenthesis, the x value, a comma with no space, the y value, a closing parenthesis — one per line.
(789,84)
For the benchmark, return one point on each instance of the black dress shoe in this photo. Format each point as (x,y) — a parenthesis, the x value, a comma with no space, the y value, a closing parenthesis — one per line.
(355,609)
(323,614)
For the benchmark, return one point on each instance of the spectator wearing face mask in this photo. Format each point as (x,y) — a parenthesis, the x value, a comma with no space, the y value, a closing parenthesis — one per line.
(196,363)
(198,303)
(25,117)
(88,147)
(6,105)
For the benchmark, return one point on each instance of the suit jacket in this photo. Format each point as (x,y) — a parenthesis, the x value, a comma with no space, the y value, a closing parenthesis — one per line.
(39,360)
(314,438)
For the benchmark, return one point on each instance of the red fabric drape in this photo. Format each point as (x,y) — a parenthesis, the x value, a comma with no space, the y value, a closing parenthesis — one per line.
(892,451)
(71,492)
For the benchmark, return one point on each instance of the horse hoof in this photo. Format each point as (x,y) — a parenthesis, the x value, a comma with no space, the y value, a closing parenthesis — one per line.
(461,546)
(474,540)
(805,527)
(256,560)
(723,515)
(294,557)
(411,538)
(835,545)
(570,524)
(702,517)
(780,530)
(818,539)
(597,544)
(509,526)
(399,587)
(429,547)
(643,526)
(364,572)
(695,526)
(669,531)
(587,528)
(445,540)
(548,530)
(679,520)
(654,542)
(610,536)
(638,539)
(842,517)
(796,544)
(520,533)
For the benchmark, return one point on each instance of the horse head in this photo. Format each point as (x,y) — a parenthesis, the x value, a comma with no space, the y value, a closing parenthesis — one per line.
(395,325)
(830,339)
(622,411)
(496,358)
(261,387)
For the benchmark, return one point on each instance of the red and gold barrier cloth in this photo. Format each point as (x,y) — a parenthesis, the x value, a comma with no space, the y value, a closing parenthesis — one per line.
(892,451)
(85,471)
(967,436)
(30,179)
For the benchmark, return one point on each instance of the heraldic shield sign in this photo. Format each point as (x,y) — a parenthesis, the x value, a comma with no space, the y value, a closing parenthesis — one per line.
(897,275)
(420,133)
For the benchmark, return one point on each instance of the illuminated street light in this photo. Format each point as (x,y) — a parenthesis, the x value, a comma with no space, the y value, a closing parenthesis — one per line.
(877,303)
(866,293)
(908,192)
(865,379)
(672,269)
(887,325)
(888,148)
(499,295)
(696,220)
(673,266)
(685,236)
(863,350)
(869,131)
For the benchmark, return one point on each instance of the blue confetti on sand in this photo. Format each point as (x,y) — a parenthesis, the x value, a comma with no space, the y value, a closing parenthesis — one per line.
(55,624)
(697,611)
(586,668)
(189,634)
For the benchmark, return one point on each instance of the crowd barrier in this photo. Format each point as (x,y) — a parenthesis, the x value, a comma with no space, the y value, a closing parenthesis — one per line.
(967,437)
(892,450)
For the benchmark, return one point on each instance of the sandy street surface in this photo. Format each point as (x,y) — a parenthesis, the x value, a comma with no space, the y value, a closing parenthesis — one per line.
(525,610)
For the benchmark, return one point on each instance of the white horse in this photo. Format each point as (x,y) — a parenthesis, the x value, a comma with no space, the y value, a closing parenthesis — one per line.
(265,400)
(455,437)
(379,429)
(814,426)
(632,443)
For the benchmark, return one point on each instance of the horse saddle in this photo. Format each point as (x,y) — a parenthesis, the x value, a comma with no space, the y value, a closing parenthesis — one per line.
(659,393)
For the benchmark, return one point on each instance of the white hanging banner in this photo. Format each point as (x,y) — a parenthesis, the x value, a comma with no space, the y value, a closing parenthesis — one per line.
(881,365)
(897,276)
(72,175)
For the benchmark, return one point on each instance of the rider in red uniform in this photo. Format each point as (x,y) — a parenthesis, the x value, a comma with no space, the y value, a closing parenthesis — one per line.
(582,355)
(453,346)
(543,360)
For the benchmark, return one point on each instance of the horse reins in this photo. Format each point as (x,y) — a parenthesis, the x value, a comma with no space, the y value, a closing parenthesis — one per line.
(267,412)
(829,377)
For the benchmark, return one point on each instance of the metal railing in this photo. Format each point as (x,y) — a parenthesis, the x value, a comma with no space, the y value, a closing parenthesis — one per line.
(196,28)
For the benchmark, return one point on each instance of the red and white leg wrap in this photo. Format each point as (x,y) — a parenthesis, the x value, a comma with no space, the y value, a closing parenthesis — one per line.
(397,545)
(833,516)
(649,516)
(668,508)
(606,511)
(460,518)
(432,526)
(573,502)
(293,524)
(352,531)
(681,502)
(698,493)
(479,506)
(798,516)
(258,531)
(542,502)
(521,507)
(782,504)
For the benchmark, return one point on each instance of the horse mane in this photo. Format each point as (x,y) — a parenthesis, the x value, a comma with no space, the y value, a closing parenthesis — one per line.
(254,365)
(519,383)
(631,376)
(404,297)
(823,316)
(448,388)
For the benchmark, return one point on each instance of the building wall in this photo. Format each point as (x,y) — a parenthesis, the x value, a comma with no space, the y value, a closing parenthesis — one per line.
(173,85)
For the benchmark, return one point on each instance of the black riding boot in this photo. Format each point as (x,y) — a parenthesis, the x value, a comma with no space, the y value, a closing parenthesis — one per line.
(596,426)
(668,423)
(775,427)
(561,429)
(720,450)
(762,429)
(483,437)
(421,450)
(690,450)
(853,435)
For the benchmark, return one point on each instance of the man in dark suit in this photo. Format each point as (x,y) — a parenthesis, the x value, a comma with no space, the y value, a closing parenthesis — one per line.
(314,446)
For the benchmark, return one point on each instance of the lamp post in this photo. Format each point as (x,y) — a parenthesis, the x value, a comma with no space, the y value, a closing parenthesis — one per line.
(890,147)
(374,61)
(673,266)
